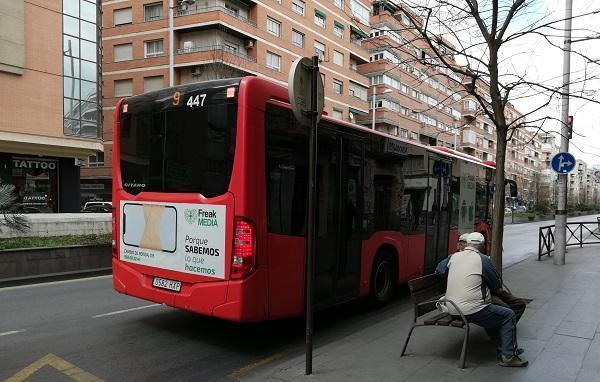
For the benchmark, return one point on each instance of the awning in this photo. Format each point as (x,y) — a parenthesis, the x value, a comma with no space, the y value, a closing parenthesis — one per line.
(358,32)
(321,14)
(357,112)
(338,24)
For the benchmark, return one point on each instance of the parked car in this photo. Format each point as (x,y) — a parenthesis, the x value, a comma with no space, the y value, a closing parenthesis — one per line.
(507,210)
(97,208)
(89,204)
(520,209)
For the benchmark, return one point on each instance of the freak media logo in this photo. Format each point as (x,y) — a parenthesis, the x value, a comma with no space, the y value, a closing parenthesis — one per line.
(191,215)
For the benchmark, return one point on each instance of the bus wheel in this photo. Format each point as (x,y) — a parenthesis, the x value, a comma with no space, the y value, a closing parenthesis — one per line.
(382,278)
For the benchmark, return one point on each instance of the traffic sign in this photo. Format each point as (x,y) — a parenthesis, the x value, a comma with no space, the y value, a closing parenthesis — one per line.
(563,163)
(299,91)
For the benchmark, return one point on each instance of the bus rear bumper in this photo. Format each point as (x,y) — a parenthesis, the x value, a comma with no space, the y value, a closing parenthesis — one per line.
(237,300)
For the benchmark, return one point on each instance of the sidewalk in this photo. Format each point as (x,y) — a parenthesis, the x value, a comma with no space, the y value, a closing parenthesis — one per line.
(559,331)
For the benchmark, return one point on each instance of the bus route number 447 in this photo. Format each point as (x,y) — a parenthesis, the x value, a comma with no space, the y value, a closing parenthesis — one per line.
(196,101)
(173,285)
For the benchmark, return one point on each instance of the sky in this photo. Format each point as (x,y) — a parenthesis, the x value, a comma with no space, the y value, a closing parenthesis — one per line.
(534,58)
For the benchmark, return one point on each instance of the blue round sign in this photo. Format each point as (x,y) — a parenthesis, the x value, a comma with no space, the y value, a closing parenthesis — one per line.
(563,163)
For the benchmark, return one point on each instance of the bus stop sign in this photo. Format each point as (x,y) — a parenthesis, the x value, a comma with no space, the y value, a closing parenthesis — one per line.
(563,163)
(299,90)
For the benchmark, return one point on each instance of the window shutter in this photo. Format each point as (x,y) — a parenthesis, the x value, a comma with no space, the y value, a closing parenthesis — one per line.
(122,16)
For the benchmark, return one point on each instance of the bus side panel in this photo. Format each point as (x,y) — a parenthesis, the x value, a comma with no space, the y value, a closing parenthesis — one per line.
(287,255)
(410,249)
(486,231)
(246,300)
(452,240)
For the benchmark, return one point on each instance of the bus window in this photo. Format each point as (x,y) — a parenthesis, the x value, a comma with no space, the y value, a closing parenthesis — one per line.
(186,150)
(482,203)
(287,172)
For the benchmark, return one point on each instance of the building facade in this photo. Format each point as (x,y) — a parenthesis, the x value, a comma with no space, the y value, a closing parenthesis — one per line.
(215,39)
(49,100)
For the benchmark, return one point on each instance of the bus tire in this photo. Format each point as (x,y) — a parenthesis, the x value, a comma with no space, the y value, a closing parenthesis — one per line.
(383,277)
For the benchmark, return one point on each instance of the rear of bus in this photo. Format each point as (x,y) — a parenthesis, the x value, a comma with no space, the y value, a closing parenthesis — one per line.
(177,236)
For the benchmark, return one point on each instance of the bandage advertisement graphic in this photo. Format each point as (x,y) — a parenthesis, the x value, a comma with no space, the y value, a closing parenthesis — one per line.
(183,237)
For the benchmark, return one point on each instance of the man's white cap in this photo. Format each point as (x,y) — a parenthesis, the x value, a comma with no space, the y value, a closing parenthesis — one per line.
(464,237)
(475,238)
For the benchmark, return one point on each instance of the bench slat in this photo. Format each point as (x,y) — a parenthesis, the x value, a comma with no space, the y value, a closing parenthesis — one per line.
(433,320)
(423,283)
(445,321)
(457,323)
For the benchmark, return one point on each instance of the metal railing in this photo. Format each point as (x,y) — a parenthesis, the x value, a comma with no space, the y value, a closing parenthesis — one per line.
(578,234)
(192,10)
(219,51)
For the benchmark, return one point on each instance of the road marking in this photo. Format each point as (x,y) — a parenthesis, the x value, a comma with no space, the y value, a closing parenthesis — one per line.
(53,283)
(248,368)
(12,332)
(59,364)
(126,310)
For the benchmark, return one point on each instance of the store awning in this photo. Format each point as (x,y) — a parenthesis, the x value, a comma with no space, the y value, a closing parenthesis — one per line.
(358,32)
(338,24)
(30,144)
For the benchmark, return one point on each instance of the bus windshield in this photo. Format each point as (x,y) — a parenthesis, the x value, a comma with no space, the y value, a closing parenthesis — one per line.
(183,144)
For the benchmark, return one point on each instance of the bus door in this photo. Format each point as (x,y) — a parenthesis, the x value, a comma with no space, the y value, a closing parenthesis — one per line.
(438,204)
(339,206)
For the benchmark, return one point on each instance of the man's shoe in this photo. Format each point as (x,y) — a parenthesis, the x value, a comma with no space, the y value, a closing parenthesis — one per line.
(513,361)
(499,353)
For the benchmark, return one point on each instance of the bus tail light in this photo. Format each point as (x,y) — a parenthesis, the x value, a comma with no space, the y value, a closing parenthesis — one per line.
(114,233)
(244,248)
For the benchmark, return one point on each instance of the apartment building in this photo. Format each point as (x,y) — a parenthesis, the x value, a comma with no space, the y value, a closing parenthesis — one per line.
(49,103)
(410,96)
(583,185)
(215,39)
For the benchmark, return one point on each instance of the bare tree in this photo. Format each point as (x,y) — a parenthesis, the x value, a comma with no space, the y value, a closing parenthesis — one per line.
(471,39)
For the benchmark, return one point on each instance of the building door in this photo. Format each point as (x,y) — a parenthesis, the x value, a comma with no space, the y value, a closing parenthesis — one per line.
(439,207)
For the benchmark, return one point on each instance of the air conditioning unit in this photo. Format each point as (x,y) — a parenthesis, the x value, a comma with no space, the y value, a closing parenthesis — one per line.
(188,46)
(249,44)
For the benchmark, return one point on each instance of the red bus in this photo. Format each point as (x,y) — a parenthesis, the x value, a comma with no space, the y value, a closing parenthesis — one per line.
(209,203)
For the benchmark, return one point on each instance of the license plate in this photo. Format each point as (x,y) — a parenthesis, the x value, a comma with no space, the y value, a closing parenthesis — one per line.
(173,285)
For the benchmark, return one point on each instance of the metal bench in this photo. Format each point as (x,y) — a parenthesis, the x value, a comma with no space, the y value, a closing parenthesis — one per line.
(425,292)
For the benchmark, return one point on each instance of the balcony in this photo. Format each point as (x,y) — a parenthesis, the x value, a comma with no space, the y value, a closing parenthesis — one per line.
(218,51)
(196,9)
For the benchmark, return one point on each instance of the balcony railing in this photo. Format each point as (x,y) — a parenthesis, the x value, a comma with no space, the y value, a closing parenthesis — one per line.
(219,50)
(193,10)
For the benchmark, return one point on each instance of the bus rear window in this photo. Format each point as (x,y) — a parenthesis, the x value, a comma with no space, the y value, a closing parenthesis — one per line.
(178,150)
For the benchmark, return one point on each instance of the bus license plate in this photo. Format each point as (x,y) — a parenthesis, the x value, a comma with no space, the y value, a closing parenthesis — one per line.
(159,282)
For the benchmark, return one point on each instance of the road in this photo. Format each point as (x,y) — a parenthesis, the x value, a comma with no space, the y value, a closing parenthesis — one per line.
(521,240)
(84,328)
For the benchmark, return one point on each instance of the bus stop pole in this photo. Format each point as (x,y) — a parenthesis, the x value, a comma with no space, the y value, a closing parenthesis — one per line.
(310,246)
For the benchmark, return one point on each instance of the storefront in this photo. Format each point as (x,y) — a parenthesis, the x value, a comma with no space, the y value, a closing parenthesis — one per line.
(42,184)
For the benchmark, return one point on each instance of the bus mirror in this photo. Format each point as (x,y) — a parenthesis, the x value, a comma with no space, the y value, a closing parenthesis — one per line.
(513,188)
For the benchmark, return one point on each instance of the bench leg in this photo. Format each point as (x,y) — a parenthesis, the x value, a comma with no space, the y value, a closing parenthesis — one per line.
(407,339)
(463,354)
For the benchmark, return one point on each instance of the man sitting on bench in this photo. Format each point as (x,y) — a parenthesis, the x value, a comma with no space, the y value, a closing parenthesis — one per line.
(471,278)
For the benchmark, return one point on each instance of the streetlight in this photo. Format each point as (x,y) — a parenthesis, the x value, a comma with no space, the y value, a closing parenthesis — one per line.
(184,5)
(386,91)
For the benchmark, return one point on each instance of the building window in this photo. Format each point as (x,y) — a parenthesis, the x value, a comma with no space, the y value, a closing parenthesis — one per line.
(124,88)
(360,11)
(231,47)
(338,87)
(297,38)
(404,133)
(470,105)
(273,61)
(153,48)
(320,50)
(96,160)
(233,11)
(153,11)
(338,29)
(339,3)
(358,91)
(320,18)
(298,6)
(338,58)
(153,83)
(337,113)
(273,27)
(81,104)
(123,52)
(122,16)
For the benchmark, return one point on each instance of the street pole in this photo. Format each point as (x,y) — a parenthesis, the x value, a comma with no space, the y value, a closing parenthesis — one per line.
(560,234)
(171,70)
(312,212)
(373,123)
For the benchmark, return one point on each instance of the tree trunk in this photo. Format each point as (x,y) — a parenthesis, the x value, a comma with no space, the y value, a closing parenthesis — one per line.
(498,212)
